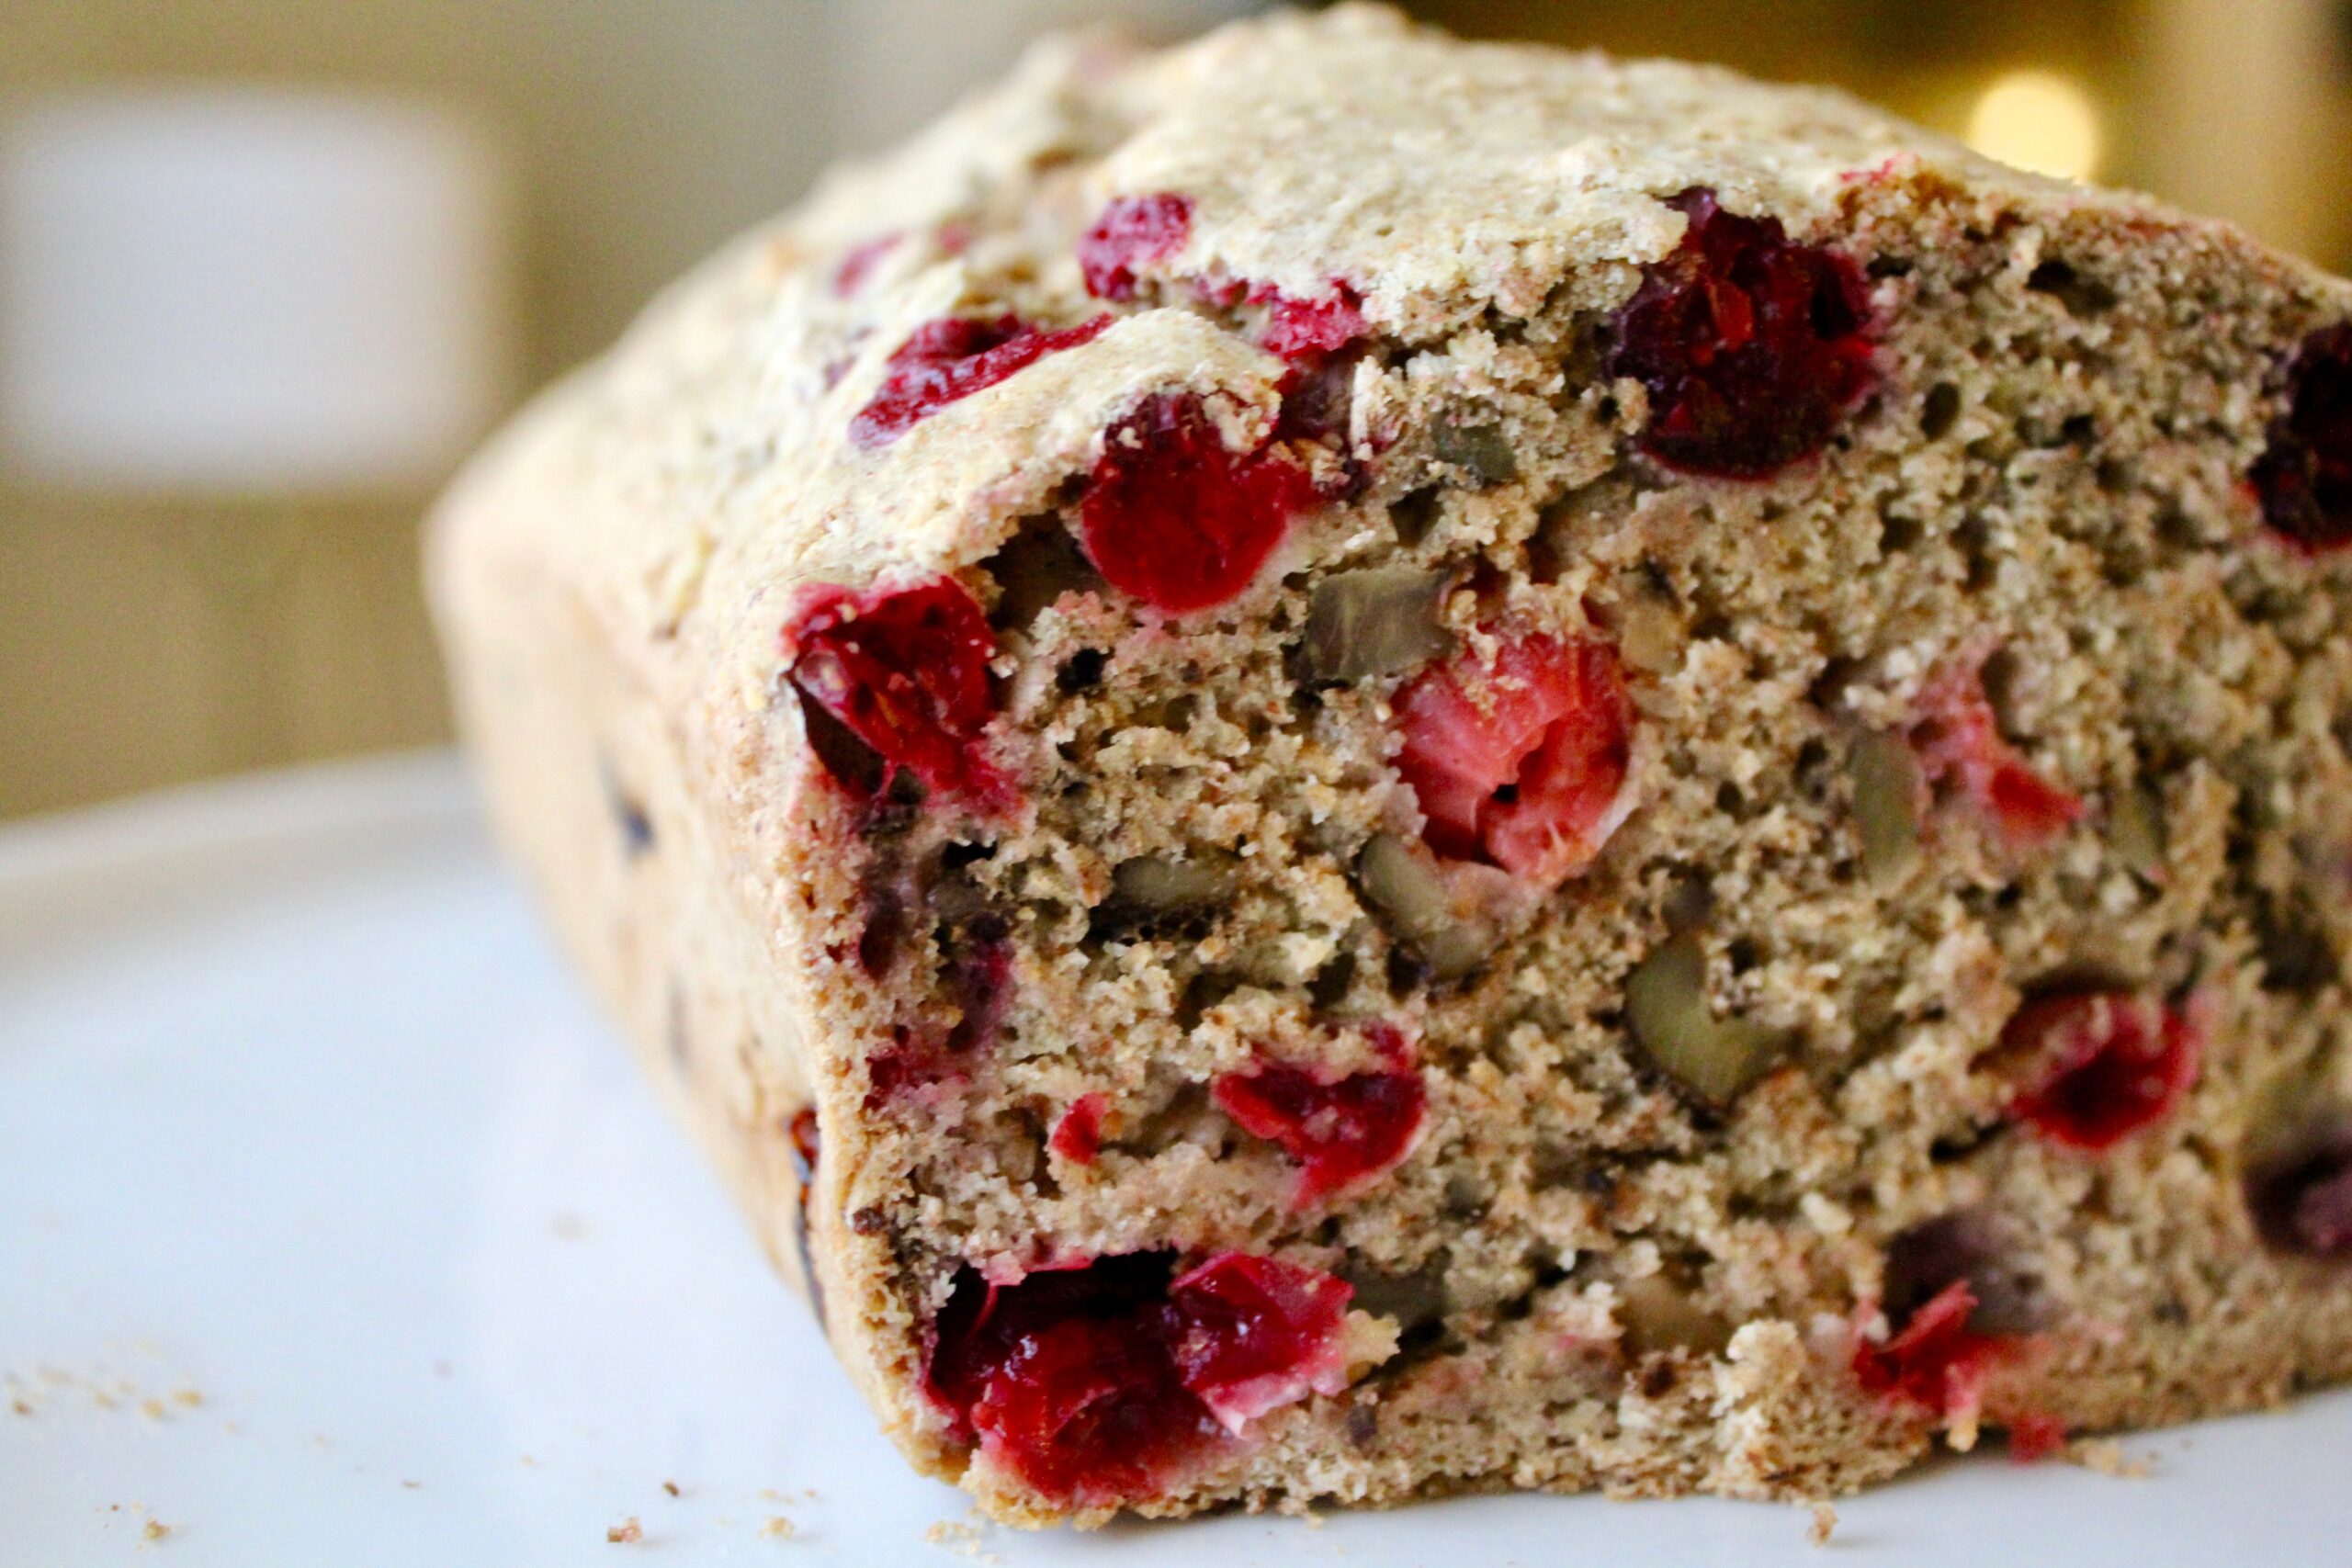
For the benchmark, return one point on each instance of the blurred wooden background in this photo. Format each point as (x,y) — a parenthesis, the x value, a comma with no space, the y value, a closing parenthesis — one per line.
(152,639)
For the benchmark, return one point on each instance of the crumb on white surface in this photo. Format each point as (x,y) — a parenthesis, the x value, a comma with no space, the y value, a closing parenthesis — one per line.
(1824,1524)
(778,1527)
(156,1529)
(628,1532)
(961,1538)
(2106,1456)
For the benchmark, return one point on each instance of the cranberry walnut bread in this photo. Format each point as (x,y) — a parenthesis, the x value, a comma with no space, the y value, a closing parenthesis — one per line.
(1341,765)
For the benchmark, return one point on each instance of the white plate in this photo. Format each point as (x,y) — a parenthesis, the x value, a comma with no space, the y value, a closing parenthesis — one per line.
(335,1229)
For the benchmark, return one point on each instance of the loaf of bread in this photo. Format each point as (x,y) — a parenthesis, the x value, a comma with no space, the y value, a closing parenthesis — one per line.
(1341,765)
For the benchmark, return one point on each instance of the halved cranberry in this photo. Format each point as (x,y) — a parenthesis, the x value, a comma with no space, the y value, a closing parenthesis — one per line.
(1078,1136)
(1959,738)
(1306,329)
(1342,1132)
(1251,1335)
(2113,1064)
(1133,231)
(1089,1410)
(1175,518)
(2305,476)
(858,262)
(907,673)
(1519,761)
(949,360)
(1936,1362)
(1101,1382)
(1752,347)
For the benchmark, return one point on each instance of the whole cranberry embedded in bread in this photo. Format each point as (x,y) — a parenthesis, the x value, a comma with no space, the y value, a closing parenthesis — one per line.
(2305,476)
(1133,231)
(947,360)
(2111,1064)
(1102,1383)
(1520,760)
(907,673)
(1078,1136)
(1342,1132)
(1174,517)
(1753,347)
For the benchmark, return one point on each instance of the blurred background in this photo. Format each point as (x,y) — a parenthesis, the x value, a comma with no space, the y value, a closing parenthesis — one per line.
(268,267)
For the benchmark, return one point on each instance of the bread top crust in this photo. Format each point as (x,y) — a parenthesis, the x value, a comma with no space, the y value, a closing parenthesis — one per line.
(696,479)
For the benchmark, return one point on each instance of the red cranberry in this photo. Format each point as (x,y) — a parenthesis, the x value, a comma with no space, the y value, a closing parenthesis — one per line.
(1959,738)
(1519,761)
(913,1062)
(907,673)
(1936,1363)
(858,262)
(1101,1383)
(1078,1136)
(1174,518)
(1134,231)
(2035,1436)
(949,360)
(1251,1335)
(2114,1065)
(1306,329)
(2305,476)
(1752,347)
(1343,1132)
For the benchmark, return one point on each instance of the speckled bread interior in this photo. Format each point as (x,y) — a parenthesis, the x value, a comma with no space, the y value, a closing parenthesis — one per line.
(1716,1119)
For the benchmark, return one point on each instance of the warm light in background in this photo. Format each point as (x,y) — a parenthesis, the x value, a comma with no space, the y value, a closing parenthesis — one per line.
(2037,121)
